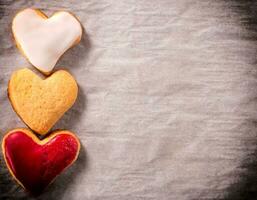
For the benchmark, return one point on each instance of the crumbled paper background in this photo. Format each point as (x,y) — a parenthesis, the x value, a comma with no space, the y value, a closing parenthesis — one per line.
(167,103)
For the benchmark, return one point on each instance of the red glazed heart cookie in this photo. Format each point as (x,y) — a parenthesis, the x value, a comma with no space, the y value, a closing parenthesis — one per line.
(35,163)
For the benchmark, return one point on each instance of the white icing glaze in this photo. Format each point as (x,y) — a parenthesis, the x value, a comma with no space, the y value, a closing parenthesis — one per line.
(44,40)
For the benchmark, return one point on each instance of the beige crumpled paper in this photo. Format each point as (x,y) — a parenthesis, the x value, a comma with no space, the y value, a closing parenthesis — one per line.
(167,101)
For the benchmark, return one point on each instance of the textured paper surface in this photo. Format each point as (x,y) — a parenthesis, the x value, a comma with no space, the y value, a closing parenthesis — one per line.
(167,101)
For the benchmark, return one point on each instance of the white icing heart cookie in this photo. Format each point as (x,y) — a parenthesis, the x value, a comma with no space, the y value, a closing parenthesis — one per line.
(43,40)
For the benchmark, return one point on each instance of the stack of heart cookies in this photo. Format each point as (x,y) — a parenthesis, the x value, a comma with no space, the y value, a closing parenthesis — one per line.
(40,103)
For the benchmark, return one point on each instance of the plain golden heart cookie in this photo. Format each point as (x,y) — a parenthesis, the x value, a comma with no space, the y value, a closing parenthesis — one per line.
(43,40)
(40,103)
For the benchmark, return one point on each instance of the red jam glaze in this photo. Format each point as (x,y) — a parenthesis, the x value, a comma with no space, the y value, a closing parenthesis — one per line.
(35,165)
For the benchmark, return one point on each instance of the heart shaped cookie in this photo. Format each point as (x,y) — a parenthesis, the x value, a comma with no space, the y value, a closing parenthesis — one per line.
(40,103)
(43,40)
(35,163)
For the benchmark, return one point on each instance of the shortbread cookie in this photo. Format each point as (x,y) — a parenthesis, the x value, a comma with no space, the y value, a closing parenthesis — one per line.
(35,163)
(40,103)
(43,40)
